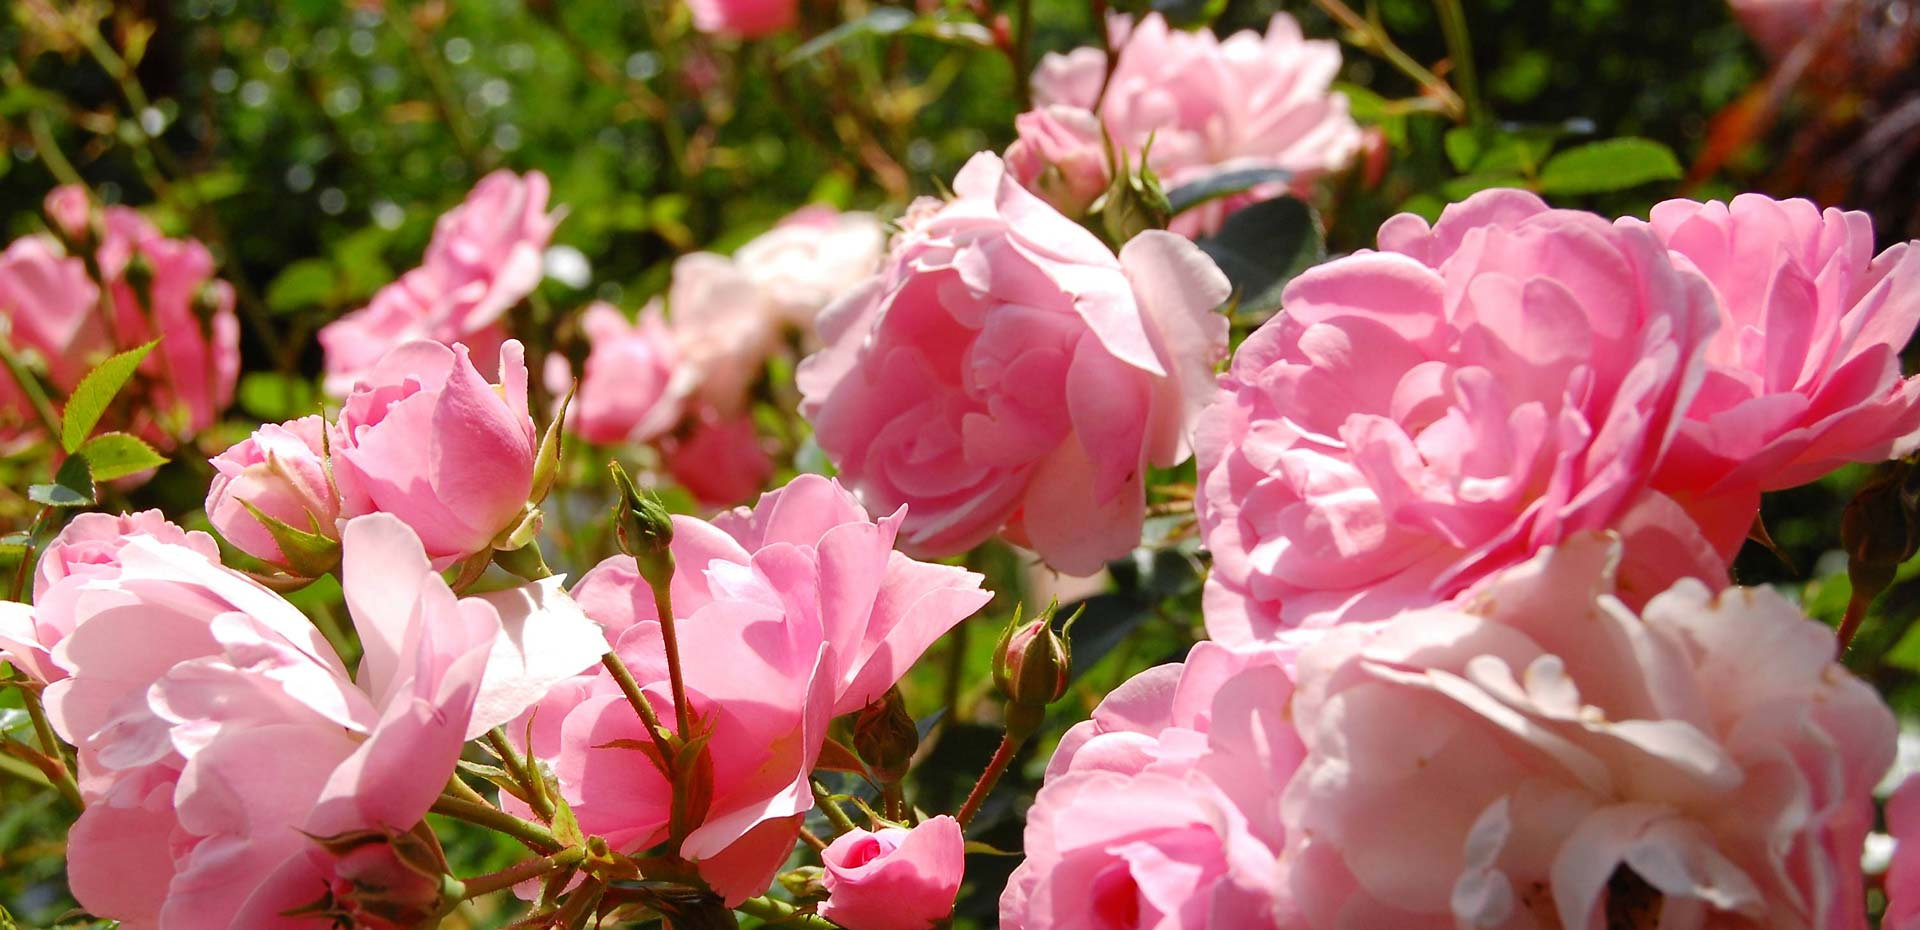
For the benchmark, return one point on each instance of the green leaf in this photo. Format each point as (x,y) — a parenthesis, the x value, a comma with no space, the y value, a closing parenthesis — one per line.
(309,282)
(72,486)
(1189,14)
(271,397)
(884,21)
(1263,246)
(307,554)
(1224,184)
(117,455)
(1610,165)
(95,394)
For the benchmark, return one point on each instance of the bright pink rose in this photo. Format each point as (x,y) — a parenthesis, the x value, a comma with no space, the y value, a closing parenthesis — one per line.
(1539,755)
(485,257)
(744,19)
(71,211)
(85,553)
(282,471)
(1209,105)
(1803,374)
(1006,370)
(424,437)
(1210,740)
(165,289)
(1425,415)
(1903,875)
(52,313)
(791,613)
(721,462)
(626,393)
(218,730)
(894,879)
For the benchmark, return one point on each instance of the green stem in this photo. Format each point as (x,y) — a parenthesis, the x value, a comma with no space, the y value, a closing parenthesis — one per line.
(1453,23)
(663,605)
(782,914)
(1375,40)
(523,772)
(1023,86)
(61,775)
(515,874)
(835,815)
(458,787)
(535,836)
(30,385)
(442,91)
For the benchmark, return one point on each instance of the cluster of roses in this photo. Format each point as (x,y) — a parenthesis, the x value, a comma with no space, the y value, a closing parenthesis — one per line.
(104,281)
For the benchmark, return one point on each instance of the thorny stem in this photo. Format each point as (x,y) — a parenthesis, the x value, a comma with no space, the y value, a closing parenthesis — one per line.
(835,815)
(663,605)
(519,872)
(782,914)
(535,836)
(1002,757)
(1374,39)
(61,775)
(522,771)
(631,688)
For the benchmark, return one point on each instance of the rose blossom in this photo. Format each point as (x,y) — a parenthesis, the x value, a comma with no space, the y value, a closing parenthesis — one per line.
(484,257)
(1903,875)
(720,462)
(1803,374)
(1427,414)
(424,437)
(810,258)
(282,471)
(789,614)
(164,289)
(625,392)
(1538,754)
(51,309)
(71,211)
(1209,105)
(1004,369)
(894,878)
(218,731)
(1162,809)
(86,552)
(744,19)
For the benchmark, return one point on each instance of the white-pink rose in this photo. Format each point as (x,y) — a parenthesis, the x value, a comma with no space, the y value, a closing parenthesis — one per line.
(1539,755)
(1006,370)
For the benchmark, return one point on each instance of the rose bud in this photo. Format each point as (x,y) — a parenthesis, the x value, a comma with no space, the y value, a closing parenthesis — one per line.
(274,500)
(885,736)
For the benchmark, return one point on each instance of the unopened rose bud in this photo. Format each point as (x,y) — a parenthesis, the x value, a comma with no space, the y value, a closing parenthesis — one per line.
(272,497)
(1134,201)
(1031,663)
(384,881)
(885,736)
(1878,531)
(644,529)
(71,212)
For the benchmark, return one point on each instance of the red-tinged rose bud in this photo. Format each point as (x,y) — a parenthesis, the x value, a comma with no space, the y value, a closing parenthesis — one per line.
(384,881)
(1031,663)
(885,736)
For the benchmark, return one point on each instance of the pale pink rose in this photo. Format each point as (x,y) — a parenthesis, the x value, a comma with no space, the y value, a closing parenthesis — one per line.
(726,328)
(626,393)
(424,437)
(51,309)
(810,258)
(1803,374)
(85,553)
(165,289)
(1212,735)
(721,462)
(744,19)
(894,878)
(1210,105)
(1903,875)
(218,731)
(1061,156)
(282,471)
(1539,755)
(1005,370)
(1149,849)
(71,211)
(1425,415)
(484,257)
(790,614)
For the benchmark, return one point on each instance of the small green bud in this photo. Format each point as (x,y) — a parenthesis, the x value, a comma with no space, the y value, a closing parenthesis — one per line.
(644,528)
(546,464)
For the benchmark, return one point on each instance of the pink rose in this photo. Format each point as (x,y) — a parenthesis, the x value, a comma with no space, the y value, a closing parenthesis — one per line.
(1541,755)
(1803,374)
(1209,105)
(790,614)
(1006,370)
(625,394)
(1209,741)
(1903,875)
(726,328)
(52,311)
(85,553)
(744,19)
(165,289)
(1425,415)
(1779,25)
(484,257)
(894,879)
(282,471)
(218,730)
(426,438)
(810,258)
(1061,156)
(721,462)
(71,211)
